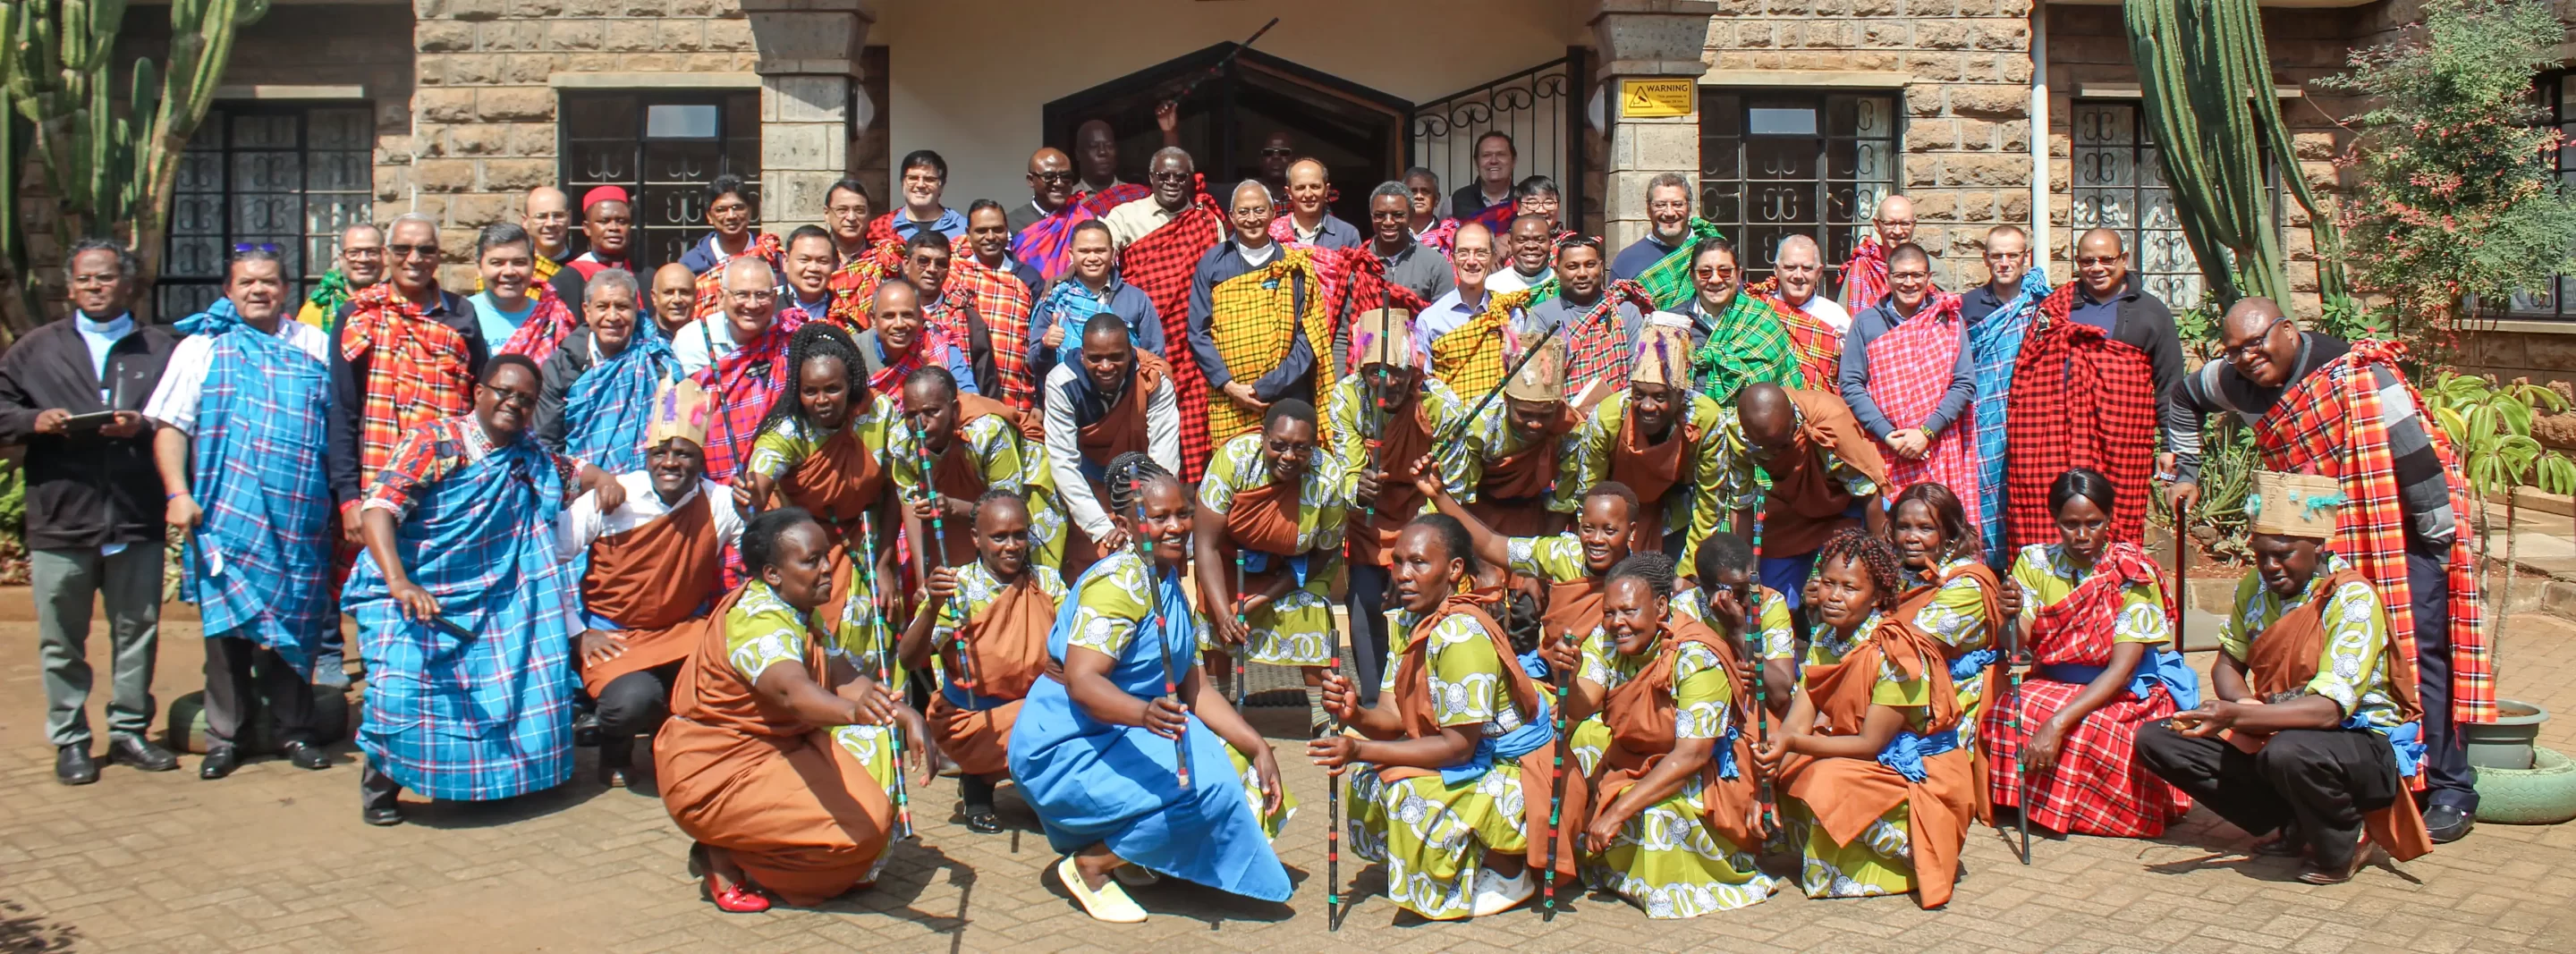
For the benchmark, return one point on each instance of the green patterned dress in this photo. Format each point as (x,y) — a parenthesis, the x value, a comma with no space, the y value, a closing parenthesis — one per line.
(1957,617)
(1665,858)
(1881,860)
(1433,836)
(1297,629)
(1005,462)
(778,450)
(762,631)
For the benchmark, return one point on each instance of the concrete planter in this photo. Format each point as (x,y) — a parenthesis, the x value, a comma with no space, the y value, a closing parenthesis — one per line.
(2505,743)
(2544,794)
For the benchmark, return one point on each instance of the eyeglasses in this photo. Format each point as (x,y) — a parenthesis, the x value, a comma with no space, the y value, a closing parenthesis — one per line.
(1163,177)
(1910,276)
(364,251)
(2254,346)
(523,400)
(1717,271)
(269,247)
(1053,178)
(407,251)
(748,297)
(2088,261)
(848,211)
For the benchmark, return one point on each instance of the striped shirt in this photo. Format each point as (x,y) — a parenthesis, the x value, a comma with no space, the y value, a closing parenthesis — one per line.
(2422,490)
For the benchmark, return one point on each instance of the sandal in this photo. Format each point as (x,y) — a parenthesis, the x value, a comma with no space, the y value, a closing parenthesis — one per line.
(1110,903)
(2313,873)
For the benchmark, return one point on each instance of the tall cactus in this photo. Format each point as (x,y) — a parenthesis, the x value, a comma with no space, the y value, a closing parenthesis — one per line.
(114,170)
(2207,87)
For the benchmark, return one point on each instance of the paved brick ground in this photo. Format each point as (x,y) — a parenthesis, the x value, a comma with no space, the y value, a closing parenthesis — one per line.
(276,859)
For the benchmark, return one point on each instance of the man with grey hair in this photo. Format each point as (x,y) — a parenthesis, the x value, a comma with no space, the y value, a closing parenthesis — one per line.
(596,387)
(408,354)
(1668,209)
(1409,264)
(72,393)
(240,415)
(358,265)
(1800,267)
(750,305)
(1174,181)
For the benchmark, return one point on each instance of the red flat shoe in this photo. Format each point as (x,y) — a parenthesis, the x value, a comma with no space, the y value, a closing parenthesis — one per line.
(738,899)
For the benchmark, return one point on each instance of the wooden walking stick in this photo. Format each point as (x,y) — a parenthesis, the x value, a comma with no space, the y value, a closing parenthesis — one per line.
(1154,626)
(887,669)
(1556,787)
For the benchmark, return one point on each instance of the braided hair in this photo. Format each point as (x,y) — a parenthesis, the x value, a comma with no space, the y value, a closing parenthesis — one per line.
(815,341)
(1856,545)
(1947,512)
(1651,566)
(761,534)
(997,495)
(1126,478)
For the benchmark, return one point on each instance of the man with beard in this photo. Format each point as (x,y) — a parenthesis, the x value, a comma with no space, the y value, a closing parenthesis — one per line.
(1668,209)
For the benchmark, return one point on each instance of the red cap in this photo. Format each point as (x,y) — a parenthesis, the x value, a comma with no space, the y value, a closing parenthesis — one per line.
(608,193)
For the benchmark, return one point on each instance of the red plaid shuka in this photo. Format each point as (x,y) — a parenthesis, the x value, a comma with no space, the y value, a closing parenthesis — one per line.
(2097,786)
(1161,264)
(544,330)
(1003,301)
(1865,275)
(853,286)
(2079,399)
(1818,345)
(1354,281)
(1047,244)
(742,386)
(1909,374)
(1443,235)
(416,372)
(1596,349)
(711,293)
(2331,423)
(931,351)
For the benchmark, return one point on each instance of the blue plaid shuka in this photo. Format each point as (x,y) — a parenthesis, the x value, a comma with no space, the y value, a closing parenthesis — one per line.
(486,716)
(259,565)
(606,408)
(1996,342)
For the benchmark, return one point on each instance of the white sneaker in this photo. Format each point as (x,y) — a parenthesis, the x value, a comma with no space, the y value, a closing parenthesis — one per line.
(1496,894)
(1110,903)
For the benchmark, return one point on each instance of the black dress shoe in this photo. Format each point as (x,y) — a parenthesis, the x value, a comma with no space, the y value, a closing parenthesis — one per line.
(132,750)
(2448,823)
(616,762)
(219,761)
(585,729)
(72,765)
(981,820)
(306,756)
(385,817)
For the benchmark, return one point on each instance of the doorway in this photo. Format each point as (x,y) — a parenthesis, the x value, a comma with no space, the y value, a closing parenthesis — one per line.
(1358,133)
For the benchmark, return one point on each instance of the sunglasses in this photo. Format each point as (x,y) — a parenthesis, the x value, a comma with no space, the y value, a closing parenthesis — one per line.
(523,400)
(407,251)
(1053,178)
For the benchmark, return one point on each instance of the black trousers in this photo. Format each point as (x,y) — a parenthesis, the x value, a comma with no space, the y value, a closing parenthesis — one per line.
(1367,604)
(375,788)
(2447,776)
(2324,779)
(636,703)
(242,675)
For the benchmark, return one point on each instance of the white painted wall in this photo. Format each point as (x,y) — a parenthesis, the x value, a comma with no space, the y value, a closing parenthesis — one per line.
(971,78)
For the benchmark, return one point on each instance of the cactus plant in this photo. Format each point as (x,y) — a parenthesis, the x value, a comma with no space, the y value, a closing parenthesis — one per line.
(112,167)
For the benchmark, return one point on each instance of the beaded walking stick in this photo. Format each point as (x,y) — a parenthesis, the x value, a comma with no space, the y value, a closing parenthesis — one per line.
(1154,625)
(1239,624)
(1556,786)
(2014,660)
(939,531)
(886,670)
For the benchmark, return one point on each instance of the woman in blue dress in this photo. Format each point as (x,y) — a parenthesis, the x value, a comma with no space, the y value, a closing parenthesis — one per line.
(1094,751)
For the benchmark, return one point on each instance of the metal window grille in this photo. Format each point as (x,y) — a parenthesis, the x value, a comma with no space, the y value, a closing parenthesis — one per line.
(663,148)
(291,176)
(2553,96)
(1776,164)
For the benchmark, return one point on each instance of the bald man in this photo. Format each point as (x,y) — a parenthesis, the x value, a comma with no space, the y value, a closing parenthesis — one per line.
(2289,384)
(1095,148)
(739,355)
(359,263)
(547,215)
(1865,275)
(2090,389)
(1471,264)
(1308,220)
(750,304)
(1824,475)
(675,290)
(1051,179)
(2108,296)
(1229,284)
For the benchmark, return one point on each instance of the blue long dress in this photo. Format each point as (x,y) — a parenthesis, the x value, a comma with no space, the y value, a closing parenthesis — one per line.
(1093,782)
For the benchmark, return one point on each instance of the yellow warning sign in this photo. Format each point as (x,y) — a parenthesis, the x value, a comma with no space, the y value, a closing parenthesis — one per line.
(1645,98)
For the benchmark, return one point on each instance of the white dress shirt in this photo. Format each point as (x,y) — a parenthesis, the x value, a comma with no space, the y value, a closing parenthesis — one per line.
(183,381)
(1064,447)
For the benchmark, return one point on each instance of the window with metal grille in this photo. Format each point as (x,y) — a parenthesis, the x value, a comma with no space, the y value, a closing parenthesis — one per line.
(663,148)
(2553,95)
(1775,164)
(289,176)
(2120,185)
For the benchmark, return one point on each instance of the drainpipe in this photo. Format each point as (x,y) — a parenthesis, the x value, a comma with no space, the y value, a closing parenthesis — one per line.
(2039,228)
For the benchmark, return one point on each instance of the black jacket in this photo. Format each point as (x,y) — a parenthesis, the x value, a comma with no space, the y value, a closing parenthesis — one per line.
(84,490)
(562,368)
(349,396)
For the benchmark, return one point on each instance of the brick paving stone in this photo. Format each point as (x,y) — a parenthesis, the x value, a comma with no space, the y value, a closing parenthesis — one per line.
(276,859)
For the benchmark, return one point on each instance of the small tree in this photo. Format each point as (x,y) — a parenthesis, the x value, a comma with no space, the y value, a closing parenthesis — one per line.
(2455,201)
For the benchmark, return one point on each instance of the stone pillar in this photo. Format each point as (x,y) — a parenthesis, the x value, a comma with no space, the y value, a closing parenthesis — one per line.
(1646,39)
(809,62)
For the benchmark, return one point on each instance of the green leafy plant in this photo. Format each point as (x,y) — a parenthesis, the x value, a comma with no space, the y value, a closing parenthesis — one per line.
(2227,465)
(2455,194)
(2490,430)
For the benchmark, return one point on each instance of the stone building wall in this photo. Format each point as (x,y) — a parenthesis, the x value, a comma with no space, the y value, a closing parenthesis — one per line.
(1963,69)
